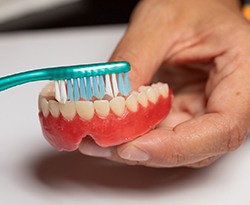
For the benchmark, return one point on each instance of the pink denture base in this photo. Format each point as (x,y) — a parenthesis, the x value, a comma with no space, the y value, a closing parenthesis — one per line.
(109,131)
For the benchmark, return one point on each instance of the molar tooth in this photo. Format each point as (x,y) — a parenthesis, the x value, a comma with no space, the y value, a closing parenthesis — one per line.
(85,109)
(166,88)
(156,91)
(68,110)
(117,105)
(102,107)
(135,93)
(40,103)
(132,103)
(54,108)
(44,107)
(162,92)
(142,99)
(159,84)
(142,88)
(48,90)
(151,95)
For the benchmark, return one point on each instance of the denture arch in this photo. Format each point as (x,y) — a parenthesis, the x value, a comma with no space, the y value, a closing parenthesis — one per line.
(108,122)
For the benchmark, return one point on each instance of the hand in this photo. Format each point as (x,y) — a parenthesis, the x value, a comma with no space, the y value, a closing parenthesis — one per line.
(202,49)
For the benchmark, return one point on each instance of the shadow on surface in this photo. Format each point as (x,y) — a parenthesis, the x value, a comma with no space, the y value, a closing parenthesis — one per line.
(58,168)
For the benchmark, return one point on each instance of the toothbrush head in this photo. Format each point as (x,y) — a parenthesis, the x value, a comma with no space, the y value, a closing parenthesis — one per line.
(96,80)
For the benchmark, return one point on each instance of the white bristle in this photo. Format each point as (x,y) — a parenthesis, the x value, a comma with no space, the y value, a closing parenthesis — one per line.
(63,91)
(57,91)
(108,86)
(114,83)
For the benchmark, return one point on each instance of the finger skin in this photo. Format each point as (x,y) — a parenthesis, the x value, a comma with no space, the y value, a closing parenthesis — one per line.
(157,31)
(187,143)
(204,163)
(175,34)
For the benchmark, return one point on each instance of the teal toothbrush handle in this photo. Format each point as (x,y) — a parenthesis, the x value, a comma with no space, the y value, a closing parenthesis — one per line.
(63,73)
(21,78)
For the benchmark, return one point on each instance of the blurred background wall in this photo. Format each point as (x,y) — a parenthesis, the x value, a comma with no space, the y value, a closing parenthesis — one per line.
(16,15)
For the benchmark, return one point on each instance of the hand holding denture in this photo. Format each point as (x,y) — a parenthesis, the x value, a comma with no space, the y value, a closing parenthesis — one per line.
(202,48)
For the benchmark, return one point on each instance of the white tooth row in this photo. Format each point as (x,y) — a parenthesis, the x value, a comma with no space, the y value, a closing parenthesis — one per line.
(87,109)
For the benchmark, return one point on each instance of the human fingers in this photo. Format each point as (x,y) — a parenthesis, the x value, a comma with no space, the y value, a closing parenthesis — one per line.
(90,148)
(159,29)
(205,162)
(222,128)
(145,42)
(187,143)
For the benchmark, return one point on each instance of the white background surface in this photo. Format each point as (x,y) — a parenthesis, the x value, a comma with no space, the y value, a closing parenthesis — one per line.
(32,172)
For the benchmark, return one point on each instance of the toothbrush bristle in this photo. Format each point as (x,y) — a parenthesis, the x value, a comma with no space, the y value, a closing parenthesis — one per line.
(102,86)
(92,86)
(82,89)
(95,87)
(121,84)
(127,84)
(89,88)
(63,92)
(57,91)
(115,86)
(76,89)
(109,90)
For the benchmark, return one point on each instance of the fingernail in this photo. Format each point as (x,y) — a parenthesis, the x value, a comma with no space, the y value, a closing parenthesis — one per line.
(134,154)
(94,150)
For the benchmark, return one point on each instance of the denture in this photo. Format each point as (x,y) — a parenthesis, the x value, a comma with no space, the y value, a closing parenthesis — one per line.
(109,121)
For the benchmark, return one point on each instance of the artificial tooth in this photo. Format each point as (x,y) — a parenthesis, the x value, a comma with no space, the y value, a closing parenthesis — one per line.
(142,88)
(102,107)
(85,109)
(156,92)
(68,110)
(135,93)
(142,99)
(44,107)
(132,103)
(54,108)
(162,92)
(40,102)
(155,87)
(48,90)
(151,95)
(117,104)
(166,88)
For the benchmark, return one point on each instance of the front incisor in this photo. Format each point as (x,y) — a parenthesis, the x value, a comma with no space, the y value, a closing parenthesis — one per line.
(68,110)
(142,99)
(117,105)
(151,95)
(54,108)
(102,107)
(132,103)
(85,109)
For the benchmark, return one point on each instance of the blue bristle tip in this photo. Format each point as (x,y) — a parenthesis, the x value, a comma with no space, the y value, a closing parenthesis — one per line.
(89,90)
(127,83)
(95,87)
(76,90)
(82,89)
(121,84)
(102,86)
(70,91)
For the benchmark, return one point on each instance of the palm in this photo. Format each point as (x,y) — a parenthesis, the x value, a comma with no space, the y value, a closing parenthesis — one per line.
(188,84)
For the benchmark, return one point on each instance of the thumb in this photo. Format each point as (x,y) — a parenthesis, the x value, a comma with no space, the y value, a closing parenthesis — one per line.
(188,143)
(141,46)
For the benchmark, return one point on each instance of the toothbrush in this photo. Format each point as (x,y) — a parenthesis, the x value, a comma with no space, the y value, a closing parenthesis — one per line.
(78,81)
